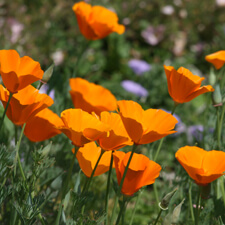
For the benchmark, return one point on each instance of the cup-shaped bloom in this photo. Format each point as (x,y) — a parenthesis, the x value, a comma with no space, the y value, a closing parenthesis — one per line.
(81,127)
(217,59)
(96,22)
(91,97)
(43,126)
(141,171)
(118,136)
(16,72)
(183,86)
(88,156)
(145,126)
(201,165)
(25,104)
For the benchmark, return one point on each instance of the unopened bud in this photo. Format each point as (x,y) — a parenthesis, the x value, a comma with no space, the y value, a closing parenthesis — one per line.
(216,96)
(166,200)
(176,213)
(212,77)
(47,74)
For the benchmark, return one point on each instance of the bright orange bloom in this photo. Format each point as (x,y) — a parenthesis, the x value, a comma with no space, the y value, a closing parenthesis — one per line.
(25,104)
(145,126)
(217,59)
(87,157)
(81,127)
(91,97)
(141,171)
(16,72)
(42,126)
(201,165)
(118,137)
(96,22)
(183,86)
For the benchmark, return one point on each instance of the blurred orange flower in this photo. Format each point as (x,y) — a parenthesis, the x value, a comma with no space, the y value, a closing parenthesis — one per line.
(16,72)
(81,127)
(183,86)
(25,104)
(87,157)
(217,59)
(91,97)
(141,171)
(118,136)
(201,165)
(96,22)
(145,126)
(42,126)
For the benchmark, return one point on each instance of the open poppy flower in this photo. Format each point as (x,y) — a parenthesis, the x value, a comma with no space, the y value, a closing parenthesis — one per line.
(217,59)
(201,165)
(141,171)
(42,126)
(87,157)
(25,104)
(118,136)
(145,126)
(183,86)
(96,22)
(16,72)
(91,97)
(81,127)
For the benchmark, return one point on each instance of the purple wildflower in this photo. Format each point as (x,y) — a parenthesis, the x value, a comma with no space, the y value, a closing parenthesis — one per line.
(139,66)
(134,88)
(45,90)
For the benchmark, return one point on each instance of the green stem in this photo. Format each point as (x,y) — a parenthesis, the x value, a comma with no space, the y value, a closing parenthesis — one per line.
(121,211)
(121,184)
(135,207)
(156,193)
(159,214)
(59,213)
(198,207)
(190,201)
(174,107)
(4,113)
(219,125)
(107,188)
(222,188)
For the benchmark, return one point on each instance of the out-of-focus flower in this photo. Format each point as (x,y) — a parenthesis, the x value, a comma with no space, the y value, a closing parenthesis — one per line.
(145,126)
(195,132)
(87,157)
(217,59)
(57,57)
(16,72)
(118,137)
(183,86)
(16,29)
(43,126)
(81,127)
(96,22)
(91,97)
(45,89)
(134,88)
(220,3)
(180,41)
(25,104)
(153,35)
(139,66)
(141,171)
(201,165)
(167,10)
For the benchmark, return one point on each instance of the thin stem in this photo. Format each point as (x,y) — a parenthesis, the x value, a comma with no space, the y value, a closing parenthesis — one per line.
(59,213)
(220,122)
(4,113)
(198,207)
(107,188)
(121,211)
(190,201)
(159,214)
(135,207)
(156,193)
(222,188)
(218,128)
(174,107)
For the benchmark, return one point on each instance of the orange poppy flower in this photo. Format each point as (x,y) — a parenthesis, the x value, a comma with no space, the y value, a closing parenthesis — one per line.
(201,165)
(87,157)
(42,126)
(145,126)
(96,22)
(183,86)
(25,104)
(91,97)
(81,127)
(118,136)
(217,59)
(141,171)
(16,72)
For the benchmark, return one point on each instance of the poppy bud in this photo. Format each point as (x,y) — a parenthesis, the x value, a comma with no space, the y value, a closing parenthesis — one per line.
(176,213)
(166,200)
(216,96)
(47,74)
(212,77)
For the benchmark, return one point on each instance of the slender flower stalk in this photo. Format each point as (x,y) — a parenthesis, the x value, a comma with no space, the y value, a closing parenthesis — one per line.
(190,201)
(159,214)
(122,208)
(198,207)
(135,207)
